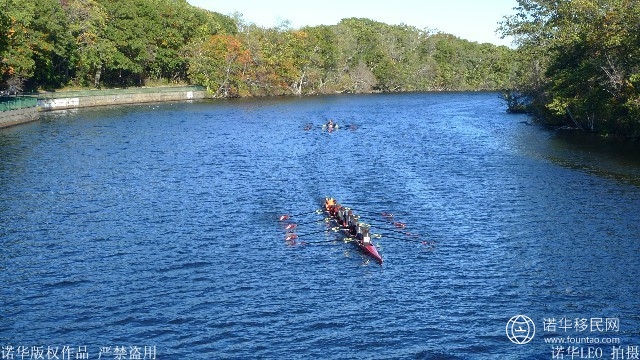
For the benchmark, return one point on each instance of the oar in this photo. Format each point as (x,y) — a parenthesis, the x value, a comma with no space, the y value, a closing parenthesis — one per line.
(397,224)
(387,229)
(383,214)
(368,211)
(293,226)
(287,216)
(364,211)
(423,242)
(294,236)
(325,241)
(403,232)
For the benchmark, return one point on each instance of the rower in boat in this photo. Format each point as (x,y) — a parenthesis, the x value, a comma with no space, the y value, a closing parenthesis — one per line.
(366,236)
(363,234)
(351,219)
(336,210)
(353,224)
(345,217)
(341,215)
(330,126)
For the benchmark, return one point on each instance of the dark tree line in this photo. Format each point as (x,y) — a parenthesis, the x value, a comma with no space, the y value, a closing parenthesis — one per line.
(56,43)
(53,44)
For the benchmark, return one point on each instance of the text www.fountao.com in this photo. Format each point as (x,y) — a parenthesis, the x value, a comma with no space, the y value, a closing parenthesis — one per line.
(581,340)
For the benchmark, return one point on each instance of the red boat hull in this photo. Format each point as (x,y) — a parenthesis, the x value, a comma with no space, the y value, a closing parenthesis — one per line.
(370,250)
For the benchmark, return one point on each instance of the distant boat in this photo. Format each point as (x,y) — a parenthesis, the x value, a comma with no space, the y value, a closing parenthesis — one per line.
(330,126)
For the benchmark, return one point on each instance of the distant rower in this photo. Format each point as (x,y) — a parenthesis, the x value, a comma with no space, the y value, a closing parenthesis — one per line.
(330,126)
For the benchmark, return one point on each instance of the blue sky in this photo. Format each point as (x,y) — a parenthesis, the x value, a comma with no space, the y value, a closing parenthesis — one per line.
(474,20)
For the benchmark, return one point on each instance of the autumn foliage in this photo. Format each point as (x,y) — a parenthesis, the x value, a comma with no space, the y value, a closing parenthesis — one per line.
(120,43)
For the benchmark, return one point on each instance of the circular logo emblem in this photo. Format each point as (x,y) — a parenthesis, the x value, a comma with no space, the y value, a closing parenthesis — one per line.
(520,329)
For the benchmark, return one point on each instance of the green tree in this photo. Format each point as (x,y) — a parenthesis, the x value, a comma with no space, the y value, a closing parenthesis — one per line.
(323,57)
(37,44)
(17,57)
(176,23)
(53,45)
(587,61)
(5,27)
(87,21)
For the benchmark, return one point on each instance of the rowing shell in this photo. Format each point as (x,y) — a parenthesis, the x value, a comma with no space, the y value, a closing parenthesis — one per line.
(368,249)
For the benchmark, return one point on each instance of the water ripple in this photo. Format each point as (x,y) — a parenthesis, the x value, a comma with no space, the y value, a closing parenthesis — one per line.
(157,227)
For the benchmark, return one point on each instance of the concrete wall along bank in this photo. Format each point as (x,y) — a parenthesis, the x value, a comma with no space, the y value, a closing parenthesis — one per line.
(19,116)
(117,99)
(101,98)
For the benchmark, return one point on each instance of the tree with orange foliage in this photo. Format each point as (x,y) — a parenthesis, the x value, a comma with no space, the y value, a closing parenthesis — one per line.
(281,59)
(220,63)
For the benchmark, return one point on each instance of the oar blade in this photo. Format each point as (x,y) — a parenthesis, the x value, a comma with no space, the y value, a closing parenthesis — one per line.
(290,237)
(399,224)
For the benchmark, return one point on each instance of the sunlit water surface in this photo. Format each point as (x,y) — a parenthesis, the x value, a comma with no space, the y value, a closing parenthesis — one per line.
(156,226)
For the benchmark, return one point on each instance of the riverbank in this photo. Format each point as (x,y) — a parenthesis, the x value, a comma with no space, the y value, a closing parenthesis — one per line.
(50,101)
(18,116)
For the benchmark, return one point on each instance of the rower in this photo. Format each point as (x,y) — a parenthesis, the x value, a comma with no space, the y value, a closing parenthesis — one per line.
(353,229)
(331,125)
(351,222)
(347,217)
(362,233)
(342,216)
(366,237)
(336,210)
(359,231)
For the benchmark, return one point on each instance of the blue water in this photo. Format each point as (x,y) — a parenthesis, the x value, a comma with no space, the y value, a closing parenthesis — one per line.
(155,226)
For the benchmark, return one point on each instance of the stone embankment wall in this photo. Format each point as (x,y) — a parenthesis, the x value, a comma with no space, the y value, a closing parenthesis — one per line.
(115,98)
(74,100)
(19,116)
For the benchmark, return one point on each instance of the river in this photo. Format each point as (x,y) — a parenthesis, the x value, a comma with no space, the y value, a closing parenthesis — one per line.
(153,230)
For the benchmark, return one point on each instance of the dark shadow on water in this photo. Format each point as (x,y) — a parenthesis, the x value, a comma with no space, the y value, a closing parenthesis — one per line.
(606,157)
